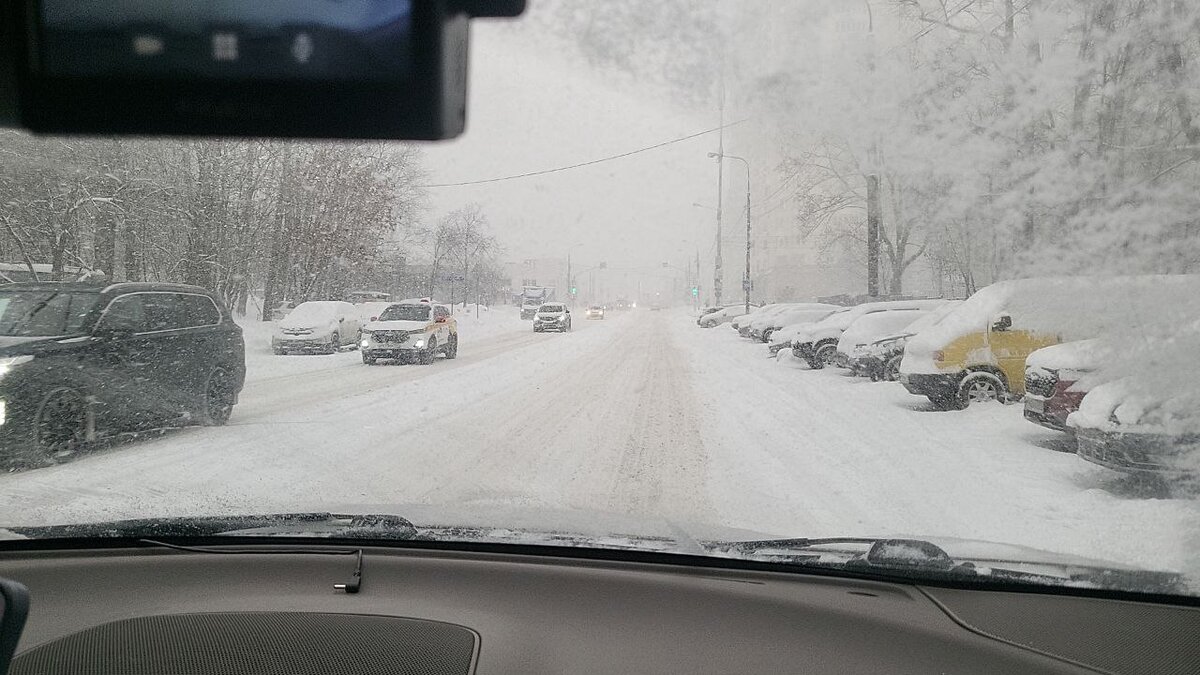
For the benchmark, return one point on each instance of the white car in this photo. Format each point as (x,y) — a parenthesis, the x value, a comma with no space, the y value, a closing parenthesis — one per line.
(552,316)
(410,331)
(818,346)
(317,326)
(370,311)
(722,316)
(790,315)
(854,344)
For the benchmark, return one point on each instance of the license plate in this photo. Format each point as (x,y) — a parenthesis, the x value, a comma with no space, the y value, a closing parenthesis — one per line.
(1035,405)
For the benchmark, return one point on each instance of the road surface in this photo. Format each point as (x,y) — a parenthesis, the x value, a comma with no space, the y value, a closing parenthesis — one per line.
(643,415)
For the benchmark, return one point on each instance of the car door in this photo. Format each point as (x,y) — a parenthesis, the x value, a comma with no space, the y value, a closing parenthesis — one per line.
(121,362)
(1010,345)
(179,350)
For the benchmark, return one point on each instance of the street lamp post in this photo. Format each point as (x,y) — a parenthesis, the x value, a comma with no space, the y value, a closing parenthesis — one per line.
(746,283)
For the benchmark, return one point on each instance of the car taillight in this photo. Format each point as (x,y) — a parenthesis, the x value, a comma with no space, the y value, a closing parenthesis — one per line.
(374,318)
(939,355)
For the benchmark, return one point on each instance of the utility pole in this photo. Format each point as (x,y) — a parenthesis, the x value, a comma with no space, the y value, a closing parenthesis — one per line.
(696,297)
(718,271)
(569,277)
(874,210)
(748,284)
(874,217)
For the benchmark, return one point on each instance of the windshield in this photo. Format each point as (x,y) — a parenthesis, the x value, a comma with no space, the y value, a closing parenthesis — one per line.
(405,313)
(44,313)
(1016,174)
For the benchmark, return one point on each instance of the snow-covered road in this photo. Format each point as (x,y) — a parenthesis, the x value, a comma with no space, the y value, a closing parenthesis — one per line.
(643,414)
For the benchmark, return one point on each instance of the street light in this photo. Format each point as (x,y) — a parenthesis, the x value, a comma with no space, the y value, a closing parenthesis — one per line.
(746,280)
(570,281)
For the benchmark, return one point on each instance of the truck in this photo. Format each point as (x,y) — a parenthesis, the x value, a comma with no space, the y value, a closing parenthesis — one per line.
(533,297)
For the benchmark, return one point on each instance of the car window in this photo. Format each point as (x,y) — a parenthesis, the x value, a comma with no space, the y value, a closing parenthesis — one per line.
(43,313)
(126,313)
(197,310)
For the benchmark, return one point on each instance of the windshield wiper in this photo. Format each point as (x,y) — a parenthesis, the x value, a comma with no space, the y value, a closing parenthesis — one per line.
(890,554)
(917,559)
(314,524)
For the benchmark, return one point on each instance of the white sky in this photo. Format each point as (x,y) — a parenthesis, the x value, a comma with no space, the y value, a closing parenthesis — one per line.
(534,109)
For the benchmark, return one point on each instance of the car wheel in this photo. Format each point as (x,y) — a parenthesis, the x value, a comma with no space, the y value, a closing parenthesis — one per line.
(219,398)
(980,387)
(62,422)
(891,370)
(335,343)
(452,347)
(429,353)
(766,336)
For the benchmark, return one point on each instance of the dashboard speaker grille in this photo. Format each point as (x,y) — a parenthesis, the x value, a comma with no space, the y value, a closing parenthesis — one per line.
(257,643)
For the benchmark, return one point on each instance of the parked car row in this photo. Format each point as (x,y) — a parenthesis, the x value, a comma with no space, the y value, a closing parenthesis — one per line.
(1110,361)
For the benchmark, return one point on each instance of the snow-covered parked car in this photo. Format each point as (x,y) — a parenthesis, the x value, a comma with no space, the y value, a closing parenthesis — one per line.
(788,314)
(977,352)
(866,329)
(411,331)
(880,360)
(1058,377)
(785,327)
(317,326)
(1145,424)
(722,316)
(818,344)
(744,324)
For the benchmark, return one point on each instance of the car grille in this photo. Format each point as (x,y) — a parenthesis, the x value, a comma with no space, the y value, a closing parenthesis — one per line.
(1041,382)
(390,335)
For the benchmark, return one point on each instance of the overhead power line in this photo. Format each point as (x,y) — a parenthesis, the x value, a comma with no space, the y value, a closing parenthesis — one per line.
(587,163)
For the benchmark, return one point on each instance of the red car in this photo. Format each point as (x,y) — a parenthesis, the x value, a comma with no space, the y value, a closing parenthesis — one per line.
(1056,381)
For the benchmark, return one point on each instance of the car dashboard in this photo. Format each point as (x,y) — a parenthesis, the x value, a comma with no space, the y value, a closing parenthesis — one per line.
(138,609)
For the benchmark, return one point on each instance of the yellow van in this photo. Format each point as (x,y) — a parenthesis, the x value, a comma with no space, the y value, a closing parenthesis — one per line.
(977,352)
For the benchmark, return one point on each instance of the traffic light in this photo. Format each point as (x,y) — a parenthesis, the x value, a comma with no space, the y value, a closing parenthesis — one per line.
(574,291)
(695,291)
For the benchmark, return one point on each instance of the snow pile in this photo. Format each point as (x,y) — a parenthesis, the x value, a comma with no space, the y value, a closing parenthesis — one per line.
(1075,308)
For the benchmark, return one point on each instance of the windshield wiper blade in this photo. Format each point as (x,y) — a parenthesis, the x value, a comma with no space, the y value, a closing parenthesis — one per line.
(319,524)
(883,554)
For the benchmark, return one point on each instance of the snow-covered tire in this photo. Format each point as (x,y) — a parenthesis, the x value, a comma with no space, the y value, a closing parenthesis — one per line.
(891,369)
(980,387)
(62,424)
(429,353)
(219,399)
(335,343)
(452,347)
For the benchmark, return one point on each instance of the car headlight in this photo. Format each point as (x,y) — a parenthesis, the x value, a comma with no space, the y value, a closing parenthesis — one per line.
(3,412)
(365,343)
(7,364)
(419,344)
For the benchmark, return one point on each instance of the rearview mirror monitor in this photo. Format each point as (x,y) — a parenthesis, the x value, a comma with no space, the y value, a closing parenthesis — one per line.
(295,68)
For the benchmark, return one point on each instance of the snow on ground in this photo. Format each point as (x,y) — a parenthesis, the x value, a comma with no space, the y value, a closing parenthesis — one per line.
(817,453)
(642,414)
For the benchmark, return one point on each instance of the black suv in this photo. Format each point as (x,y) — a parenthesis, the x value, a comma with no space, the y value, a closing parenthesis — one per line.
(80,361)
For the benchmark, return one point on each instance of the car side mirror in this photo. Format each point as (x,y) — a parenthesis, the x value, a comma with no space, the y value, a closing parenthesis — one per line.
(440,319)
(1002,323)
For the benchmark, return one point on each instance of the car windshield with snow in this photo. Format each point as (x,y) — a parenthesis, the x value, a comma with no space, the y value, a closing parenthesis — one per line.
(406,313)
(958,245)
